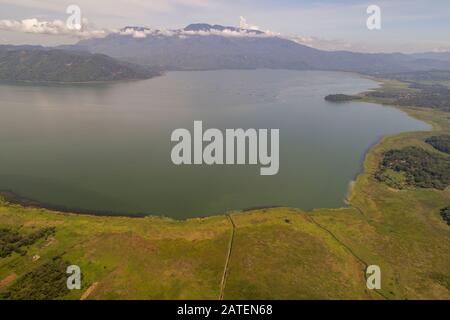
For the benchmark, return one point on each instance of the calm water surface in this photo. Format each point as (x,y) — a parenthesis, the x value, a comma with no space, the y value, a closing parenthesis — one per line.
(106,147)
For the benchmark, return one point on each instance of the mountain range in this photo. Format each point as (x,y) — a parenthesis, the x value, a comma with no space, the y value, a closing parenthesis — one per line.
(207,47)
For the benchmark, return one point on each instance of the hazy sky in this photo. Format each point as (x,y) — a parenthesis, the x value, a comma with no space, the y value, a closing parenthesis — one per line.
(407,25)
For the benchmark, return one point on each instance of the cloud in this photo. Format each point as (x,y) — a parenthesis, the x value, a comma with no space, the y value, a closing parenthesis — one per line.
(55,27)
(59,27)
(232,32)
(440,49)
(244,25)
(321,43)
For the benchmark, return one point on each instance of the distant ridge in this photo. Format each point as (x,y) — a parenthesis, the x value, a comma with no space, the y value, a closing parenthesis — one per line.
(35,63)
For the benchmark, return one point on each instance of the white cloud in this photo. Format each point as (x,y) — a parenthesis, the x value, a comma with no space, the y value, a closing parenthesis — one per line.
(55,27)
(244,25)
(224,33)
(59,27)
(144,32)
(321,43)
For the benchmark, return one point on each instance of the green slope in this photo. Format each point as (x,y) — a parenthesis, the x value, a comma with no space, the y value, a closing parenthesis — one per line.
(52,65)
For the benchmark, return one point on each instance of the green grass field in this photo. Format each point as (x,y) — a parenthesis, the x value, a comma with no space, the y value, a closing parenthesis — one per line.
(280,253)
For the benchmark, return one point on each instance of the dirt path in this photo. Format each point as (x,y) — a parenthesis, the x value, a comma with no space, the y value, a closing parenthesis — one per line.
(8,280)
(89,290)
(227,262)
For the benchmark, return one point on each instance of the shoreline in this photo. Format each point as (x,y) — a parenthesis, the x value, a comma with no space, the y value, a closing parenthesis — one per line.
(12,198)
(68,83)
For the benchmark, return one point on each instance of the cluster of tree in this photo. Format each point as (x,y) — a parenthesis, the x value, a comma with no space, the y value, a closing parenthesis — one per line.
(441,143)
(46,282)
(13,241)
(420,168)
(425,96)
(445,214)
(341,98)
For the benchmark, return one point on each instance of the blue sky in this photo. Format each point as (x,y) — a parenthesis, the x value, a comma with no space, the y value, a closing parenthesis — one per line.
(407,25)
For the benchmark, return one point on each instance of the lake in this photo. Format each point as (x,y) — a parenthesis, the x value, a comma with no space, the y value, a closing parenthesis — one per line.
(106,147)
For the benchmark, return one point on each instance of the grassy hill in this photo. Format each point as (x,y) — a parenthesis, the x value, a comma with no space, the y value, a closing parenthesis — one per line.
(52,65)
(278,253)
